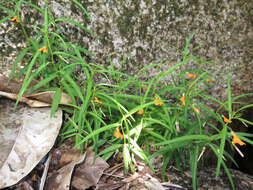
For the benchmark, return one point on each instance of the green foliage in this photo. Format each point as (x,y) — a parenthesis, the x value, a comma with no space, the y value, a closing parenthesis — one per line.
(127,114)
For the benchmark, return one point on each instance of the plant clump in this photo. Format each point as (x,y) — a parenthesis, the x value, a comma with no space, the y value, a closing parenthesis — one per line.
(126,113)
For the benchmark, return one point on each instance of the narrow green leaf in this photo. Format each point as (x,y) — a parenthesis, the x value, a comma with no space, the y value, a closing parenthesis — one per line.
(26,83)
(34,6)
(160,122)
(126,157)
(193,165)
(42,83)
(139,152)
(221,149)
(17,61)
(67,55)
(111,148)
(154,134)
(224,166)
(184,139)
(56,101)
(45,20)
(74,23)
(5,19)
(69,91)
(10,12)
(188,41)
(229,97)
(73,85)
(245,121)
(83,9)
(166,159)
(108,155)
(96,117)
(100,130)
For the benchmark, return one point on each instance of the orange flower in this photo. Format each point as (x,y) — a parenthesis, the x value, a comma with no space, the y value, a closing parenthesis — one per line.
(197,110)
(44,49)
(208,80)
(15,19)
(158,102)
(143,87)
(118,134)
(183,100)
(140,112)
(226,120)
(190,75)
(237,140)
(97,100)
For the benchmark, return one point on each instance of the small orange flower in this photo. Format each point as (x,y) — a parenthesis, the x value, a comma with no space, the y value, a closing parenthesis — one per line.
(183,100)
(190,75)
(44,49)
(97,100)
(140,112)
(208,80)
(237,140)
(158,102)
(15,19)
(118,134)
(226,120)
(143,87)
(197,110)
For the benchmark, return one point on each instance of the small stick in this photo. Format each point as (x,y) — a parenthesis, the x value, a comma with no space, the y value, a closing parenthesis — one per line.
(44,175)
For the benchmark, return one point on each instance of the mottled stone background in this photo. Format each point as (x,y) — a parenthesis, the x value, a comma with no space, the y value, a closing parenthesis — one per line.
(144,30)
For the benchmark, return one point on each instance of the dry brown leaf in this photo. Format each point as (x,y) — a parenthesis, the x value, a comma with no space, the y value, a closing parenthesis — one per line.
(60,179)
(26,136)
(24,186)
(88,173)
(42,99)
(48,97)
(13,86)
(31,103)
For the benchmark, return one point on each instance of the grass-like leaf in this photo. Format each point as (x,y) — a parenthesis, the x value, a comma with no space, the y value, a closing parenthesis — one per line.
(111,148)
(229,96)
(224,165)
(64,19)
(73,85)
(184,139)
(126,157)
(100,130)
(43,82)
(221,149)
(17,61)
(82,8)
(193,165)
(56,101)
(26,81)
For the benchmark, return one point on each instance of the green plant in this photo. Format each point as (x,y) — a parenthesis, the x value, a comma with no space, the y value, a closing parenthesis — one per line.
(127,113)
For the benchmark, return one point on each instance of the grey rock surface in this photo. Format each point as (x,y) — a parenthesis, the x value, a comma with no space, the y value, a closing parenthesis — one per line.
(145,30)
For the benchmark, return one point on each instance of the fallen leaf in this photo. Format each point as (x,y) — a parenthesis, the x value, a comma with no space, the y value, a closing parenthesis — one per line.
(88,173)
(60,179)
(153,183)
(13,86)
(47,97)
(42,99)
(31,103)
(26,136)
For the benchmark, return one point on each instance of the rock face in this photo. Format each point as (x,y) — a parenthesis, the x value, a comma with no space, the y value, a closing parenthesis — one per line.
(145,31)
